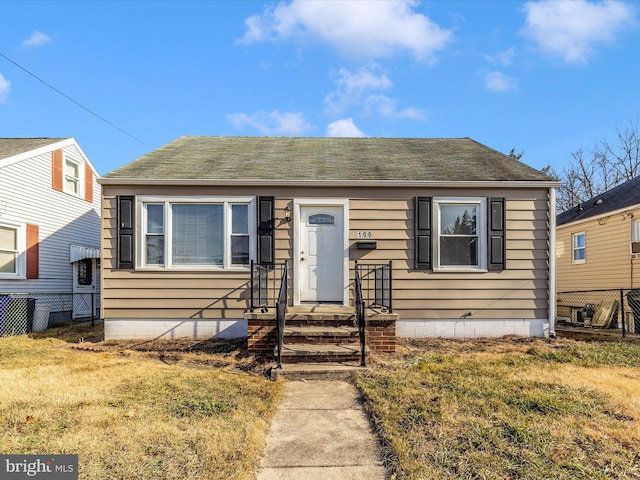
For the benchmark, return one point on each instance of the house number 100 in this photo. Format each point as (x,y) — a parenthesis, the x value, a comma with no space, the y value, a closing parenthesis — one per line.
(365,234)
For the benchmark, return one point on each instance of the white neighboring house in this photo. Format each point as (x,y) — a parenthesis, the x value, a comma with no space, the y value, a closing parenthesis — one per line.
(49,230)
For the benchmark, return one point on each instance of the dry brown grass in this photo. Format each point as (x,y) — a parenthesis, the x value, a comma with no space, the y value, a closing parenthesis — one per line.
(508,408)
(135,413)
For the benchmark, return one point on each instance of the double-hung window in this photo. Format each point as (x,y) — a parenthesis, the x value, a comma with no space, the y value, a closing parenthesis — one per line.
(72,182)
(11,246)
(196,233)
(461,234)
(579,247)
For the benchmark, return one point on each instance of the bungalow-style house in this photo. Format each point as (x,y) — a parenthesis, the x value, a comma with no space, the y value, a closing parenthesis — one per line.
(49,233)
(190,229)
(598,252)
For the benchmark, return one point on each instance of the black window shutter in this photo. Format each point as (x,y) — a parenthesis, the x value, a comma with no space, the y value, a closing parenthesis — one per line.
(496,236)
(266,228)
(126,205)
(423,233)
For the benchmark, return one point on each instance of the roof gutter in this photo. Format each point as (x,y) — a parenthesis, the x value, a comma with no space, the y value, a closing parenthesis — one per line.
(600,216)
(326,183)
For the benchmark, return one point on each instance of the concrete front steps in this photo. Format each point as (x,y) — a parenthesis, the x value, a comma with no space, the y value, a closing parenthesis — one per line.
(316,371)
(321,341)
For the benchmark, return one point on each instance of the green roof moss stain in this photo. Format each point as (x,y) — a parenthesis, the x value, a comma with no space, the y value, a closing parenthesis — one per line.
(318,158)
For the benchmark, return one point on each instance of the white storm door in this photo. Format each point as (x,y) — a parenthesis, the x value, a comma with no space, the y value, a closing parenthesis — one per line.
(84,288)
(321,254)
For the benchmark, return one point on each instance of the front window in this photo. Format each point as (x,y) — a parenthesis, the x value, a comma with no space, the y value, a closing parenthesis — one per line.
(197,234)
(579,241)
(71,177)
(11,243)
(461,231)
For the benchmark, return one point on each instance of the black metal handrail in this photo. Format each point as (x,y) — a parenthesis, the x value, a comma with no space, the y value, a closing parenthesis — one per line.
(360,315)
(376,285)
(264,285)
(281,311)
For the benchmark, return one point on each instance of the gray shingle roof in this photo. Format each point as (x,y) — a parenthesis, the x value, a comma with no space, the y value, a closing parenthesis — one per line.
(322,158)
(14,146)
(624,195)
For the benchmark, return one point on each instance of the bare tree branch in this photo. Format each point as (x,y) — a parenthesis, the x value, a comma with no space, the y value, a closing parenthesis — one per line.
(607,165)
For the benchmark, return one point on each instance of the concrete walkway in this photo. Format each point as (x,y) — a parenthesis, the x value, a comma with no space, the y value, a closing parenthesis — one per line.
(320,432)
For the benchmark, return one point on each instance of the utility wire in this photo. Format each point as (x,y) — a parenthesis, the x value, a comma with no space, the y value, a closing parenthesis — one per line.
(74,101)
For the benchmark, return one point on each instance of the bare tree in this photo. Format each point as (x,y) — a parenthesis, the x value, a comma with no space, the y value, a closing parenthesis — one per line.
(607,165)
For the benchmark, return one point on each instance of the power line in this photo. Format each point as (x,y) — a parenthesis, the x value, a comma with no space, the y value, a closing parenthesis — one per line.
(111,124)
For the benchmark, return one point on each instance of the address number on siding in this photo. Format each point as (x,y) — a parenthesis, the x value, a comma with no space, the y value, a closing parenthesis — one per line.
(365,235)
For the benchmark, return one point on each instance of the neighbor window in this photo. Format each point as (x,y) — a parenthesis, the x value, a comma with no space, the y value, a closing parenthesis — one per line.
(461,233)
(71,177)
(85,272)
(193,234)
(579,241)
(635,231)
(11,245)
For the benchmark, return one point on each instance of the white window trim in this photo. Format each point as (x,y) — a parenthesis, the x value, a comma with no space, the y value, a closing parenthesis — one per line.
(168,201)
(573,248)
(67,158)
(21,262)
(481,225)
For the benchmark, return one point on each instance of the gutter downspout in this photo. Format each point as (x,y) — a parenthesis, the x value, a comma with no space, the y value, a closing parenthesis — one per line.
(552,262)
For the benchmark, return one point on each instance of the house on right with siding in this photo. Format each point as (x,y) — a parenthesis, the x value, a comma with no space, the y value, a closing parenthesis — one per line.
(598,253)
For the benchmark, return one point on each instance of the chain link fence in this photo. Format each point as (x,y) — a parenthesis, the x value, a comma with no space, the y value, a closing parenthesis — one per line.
(608,310)
(22,313)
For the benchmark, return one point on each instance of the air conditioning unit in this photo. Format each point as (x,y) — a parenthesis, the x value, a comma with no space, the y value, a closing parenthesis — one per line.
(635,249)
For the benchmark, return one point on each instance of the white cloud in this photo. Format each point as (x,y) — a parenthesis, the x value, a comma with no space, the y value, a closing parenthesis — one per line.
(354,27)
(386,107)
(569,29)
(36,39)
(272,123)
(5,89)
(344,128)
(501,58)
(499,82)
(351,87)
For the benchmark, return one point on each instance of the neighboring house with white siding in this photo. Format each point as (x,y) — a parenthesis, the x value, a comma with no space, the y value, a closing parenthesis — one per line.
(49,227)
(467,230)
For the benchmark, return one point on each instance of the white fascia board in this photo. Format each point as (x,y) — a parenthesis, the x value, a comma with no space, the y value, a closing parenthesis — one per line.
(327,183)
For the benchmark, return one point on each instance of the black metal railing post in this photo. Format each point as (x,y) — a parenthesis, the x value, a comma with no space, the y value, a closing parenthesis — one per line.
(390,306)
(252,306)
(281,312)
(621,310)
(360,314)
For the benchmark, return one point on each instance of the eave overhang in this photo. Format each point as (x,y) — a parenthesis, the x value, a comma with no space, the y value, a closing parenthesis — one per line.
(325,183)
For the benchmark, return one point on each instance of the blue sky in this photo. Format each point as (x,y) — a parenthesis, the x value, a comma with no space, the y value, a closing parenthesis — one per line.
(545,78)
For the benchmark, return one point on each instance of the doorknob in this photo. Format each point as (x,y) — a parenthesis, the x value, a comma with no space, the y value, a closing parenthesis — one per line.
(302,259)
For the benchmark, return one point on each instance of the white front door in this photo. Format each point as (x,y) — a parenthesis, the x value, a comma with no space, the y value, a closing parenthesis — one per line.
(321,255)
(84,288)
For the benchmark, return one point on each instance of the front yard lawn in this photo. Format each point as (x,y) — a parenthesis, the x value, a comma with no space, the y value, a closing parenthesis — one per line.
(129,414)
(508,409)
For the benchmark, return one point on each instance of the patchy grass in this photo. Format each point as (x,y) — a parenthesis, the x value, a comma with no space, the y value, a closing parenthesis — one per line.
(129,413)
(513,408)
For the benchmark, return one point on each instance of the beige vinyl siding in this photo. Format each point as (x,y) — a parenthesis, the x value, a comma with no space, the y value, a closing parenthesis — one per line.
(608,263)
(519,292)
